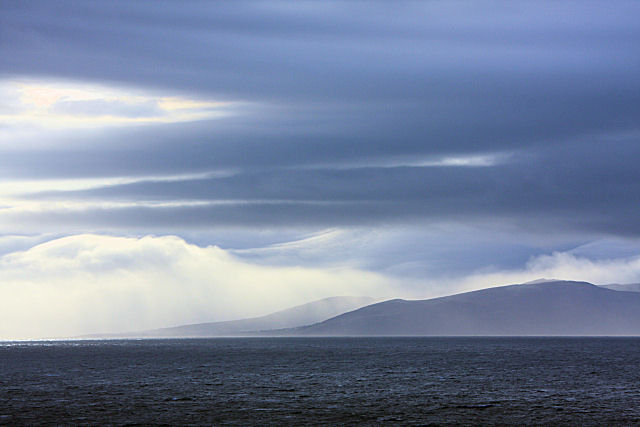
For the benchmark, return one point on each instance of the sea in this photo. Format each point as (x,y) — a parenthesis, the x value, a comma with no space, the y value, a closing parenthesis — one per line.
(322,381)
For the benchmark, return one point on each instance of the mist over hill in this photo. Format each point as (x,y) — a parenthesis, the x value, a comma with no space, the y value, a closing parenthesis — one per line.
(542,308)
(629,287)
(300,315)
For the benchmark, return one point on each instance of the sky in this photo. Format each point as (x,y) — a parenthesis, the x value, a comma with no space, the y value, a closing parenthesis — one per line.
(174,162)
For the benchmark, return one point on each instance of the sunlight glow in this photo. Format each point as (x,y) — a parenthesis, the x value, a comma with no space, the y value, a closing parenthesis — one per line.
(23,187)
(471,161)
(59,105)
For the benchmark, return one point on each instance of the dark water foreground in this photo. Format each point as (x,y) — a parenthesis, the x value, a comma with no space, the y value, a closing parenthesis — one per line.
(311,381)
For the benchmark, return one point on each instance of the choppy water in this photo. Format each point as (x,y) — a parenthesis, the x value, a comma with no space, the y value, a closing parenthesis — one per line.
(313,381)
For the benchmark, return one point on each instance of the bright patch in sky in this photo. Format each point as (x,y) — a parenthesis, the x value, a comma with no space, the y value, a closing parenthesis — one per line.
(480,160)
(55,104)
(91,283)
(17,187)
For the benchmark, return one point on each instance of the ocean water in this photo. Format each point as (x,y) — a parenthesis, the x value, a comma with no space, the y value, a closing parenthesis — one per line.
(316,381)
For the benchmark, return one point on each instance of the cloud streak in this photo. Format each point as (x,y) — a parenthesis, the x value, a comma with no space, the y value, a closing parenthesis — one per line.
(568,189)
(65,105)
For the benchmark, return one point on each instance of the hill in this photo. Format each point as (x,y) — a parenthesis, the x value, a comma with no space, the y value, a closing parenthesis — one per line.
(300,315)
(546,308)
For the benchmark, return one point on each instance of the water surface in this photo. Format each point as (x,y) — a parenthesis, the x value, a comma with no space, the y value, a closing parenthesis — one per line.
(322,381)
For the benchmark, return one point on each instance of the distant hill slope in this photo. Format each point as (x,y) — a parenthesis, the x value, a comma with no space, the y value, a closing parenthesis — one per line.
(631,287)
(548,308)
(300,315)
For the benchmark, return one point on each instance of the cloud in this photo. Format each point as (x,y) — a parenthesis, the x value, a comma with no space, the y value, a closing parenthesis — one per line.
(59,104)
(561,266)
(445,258)
(332,114)
(102,108)
(92,283)
(24,187)
(577,187)
(20,242)
(321,50)
(62,286)
(500,121)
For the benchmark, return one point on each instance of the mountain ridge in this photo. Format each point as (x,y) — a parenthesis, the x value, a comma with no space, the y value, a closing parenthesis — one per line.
(545,308)
(303,314)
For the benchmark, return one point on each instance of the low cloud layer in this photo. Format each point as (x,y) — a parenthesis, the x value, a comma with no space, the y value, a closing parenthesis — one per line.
(90,283)
(94,283)
(560,266)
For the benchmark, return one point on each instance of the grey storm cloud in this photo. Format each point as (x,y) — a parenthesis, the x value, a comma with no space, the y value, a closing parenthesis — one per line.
(333,50)
(344,100)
